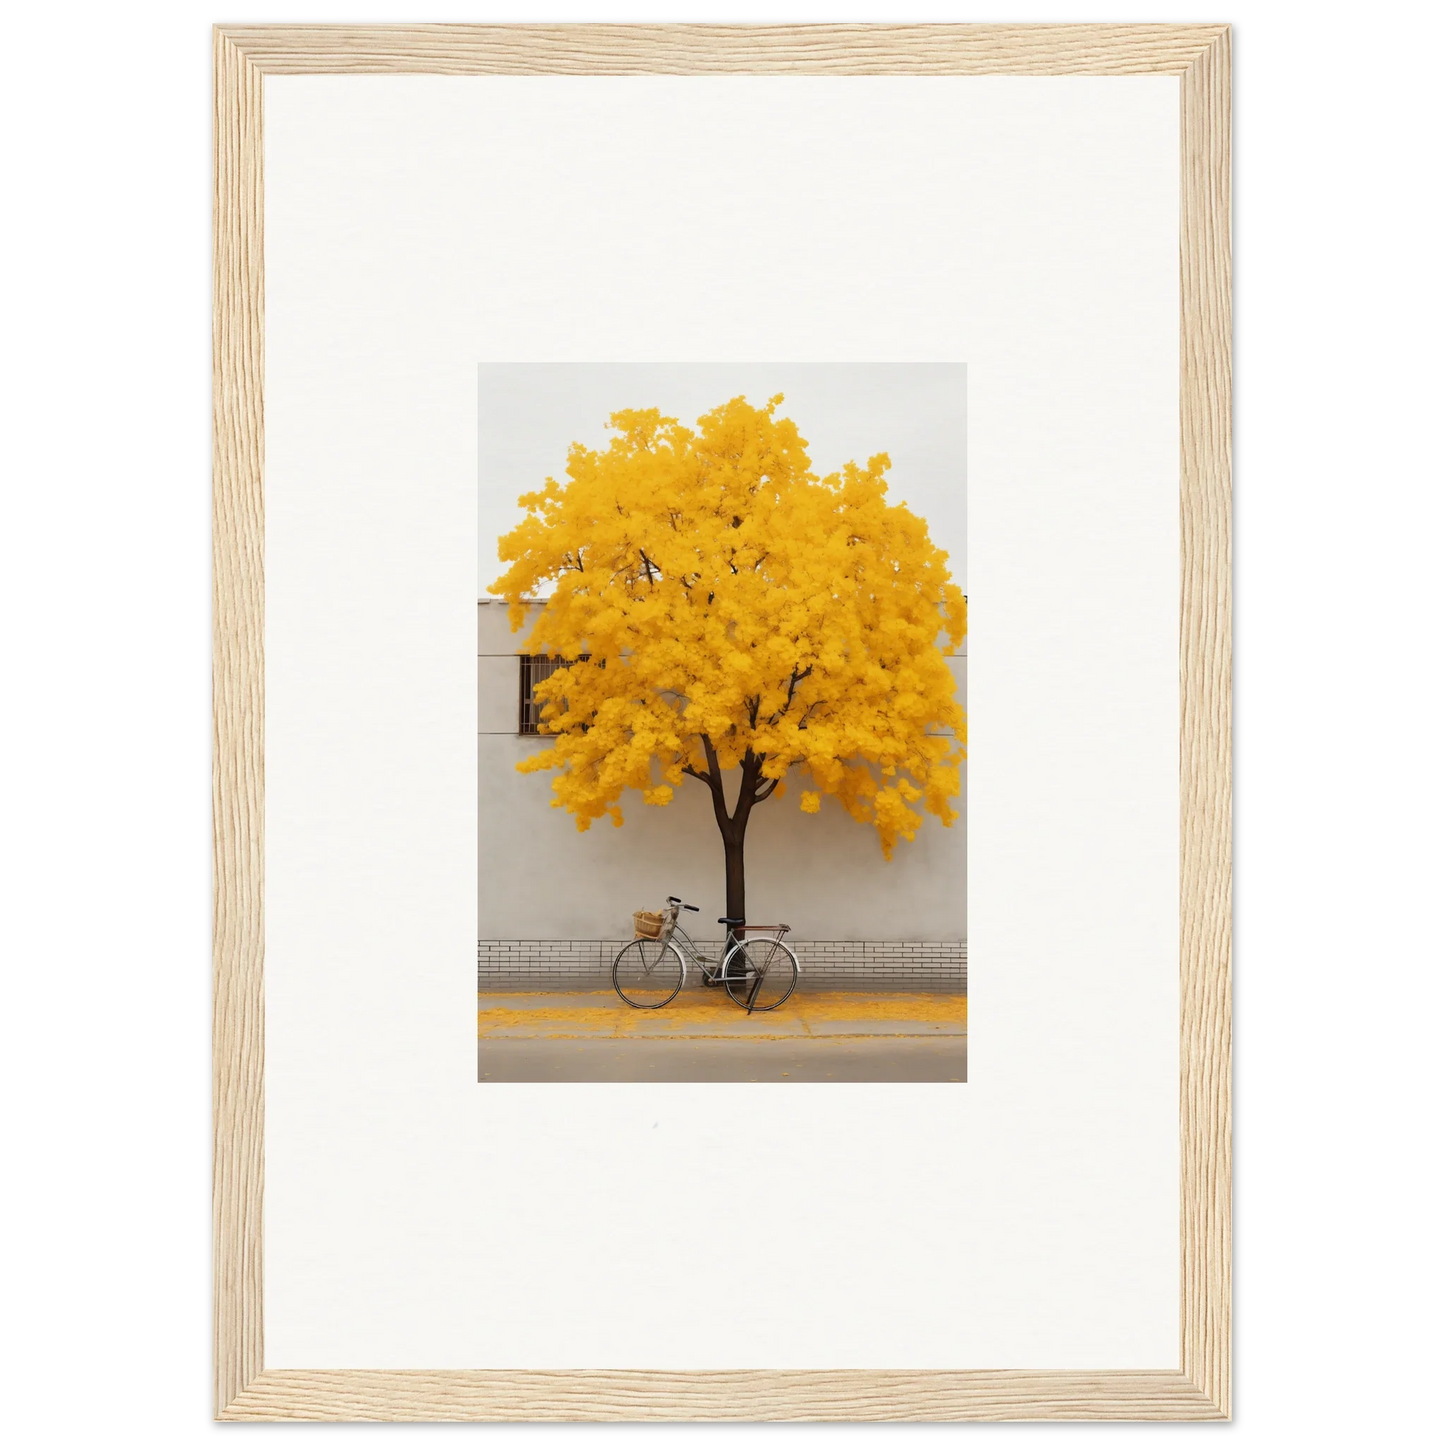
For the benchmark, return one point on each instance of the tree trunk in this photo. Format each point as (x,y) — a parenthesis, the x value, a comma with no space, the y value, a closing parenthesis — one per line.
(733,862)
(733,826)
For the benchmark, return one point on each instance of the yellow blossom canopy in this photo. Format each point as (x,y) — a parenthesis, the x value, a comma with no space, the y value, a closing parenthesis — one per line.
(723,607)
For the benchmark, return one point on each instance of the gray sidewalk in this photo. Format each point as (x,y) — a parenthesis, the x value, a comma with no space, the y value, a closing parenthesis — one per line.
(703,1036)
(897,1060)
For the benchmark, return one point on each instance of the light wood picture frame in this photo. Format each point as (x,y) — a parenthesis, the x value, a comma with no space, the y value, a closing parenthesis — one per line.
(1199,1388)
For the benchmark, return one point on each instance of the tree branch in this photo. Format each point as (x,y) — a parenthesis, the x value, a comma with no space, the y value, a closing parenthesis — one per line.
(711,753)
(714,781)
(747,790)
(793,682)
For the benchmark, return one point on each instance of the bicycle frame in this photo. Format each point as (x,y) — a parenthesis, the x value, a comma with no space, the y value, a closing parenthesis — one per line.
(709,966)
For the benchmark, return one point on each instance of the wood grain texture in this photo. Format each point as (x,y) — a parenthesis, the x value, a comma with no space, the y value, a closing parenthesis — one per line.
(238,680)
(721,1395)
(723,49)
(1205,665)
(1200,1390)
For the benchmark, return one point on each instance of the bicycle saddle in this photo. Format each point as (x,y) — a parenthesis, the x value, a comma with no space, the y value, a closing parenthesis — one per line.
(729,922)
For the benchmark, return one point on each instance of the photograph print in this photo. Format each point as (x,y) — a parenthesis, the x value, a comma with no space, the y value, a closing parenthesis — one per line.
(722,651)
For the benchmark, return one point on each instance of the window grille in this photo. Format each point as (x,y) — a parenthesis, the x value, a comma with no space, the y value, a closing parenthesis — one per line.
(532,670)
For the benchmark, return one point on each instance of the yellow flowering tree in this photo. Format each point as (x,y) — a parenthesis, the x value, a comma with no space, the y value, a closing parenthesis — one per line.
(724,609)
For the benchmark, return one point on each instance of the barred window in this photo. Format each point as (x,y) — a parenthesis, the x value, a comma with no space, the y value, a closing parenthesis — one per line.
(532,670)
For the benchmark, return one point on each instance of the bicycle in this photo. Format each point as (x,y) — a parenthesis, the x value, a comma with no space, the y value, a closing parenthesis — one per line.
(759,974)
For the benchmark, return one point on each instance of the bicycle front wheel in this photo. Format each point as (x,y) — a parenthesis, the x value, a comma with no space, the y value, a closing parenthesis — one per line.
(646,973)
(760,974)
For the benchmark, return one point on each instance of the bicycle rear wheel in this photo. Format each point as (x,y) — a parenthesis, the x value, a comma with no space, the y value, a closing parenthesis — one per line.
(647,973)
(760,974)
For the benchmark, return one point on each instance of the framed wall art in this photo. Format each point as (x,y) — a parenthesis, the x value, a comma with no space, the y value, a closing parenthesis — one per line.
(722,695)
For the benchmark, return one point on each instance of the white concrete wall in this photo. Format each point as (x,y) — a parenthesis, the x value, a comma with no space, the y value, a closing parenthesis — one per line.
(824,874)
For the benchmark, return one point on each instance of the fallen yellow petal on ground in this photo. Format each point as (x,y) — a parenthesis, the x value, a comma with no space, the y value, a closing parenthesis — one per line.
(702,1014)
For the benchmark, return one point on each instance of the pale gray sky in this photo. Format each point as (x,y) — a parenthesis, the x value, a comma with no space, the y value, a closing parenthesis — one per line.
(916,412)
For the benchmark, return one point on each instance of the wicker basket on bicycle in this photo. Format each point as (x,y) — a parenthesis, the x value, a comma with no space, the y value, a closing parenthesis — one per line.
(653,925)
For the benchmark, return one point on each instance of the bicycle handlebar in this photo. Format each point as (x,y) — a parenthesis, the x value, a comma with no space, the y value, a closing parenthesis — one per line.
(678,901)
